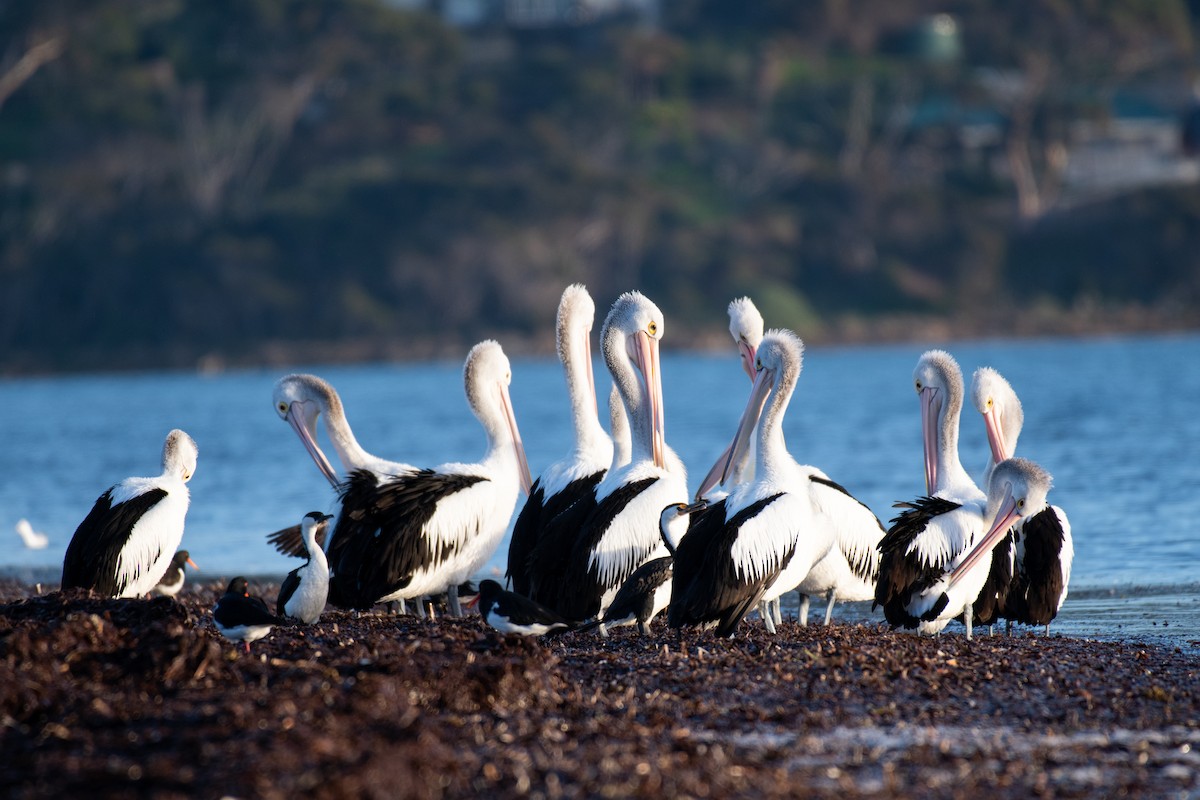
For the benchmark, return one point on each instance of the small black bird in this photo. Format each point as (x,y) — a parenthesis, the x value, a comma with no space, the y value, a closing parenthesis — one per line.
(240,617)
(172,580)
(508,612)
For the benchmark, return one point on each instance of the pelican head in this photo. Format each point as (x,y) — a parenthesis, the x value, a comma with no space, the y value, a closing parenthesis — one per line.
(939,385)
(746,328)
(630,338)
(1018,487)
(299,400)
(778,362)
(1002,414)
(487,375)
(179,455)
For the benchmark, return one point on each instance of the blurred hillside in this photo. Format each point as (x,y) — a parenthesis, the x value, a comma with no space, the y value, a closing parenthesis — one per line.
(243,181)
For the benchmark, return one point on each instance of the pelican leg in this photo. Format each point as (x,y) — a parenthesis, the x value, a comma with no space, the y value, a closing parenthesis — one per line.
(803,611)
(777,610)
(765,612)
(829,608)
(452,601)
(420,604)
(603,630)
(967,615)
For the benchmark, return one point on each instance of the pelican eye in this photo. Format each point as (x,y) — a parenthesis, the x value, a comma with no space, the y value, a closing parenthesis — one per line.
(652,328)
(1021,503)
(283,407)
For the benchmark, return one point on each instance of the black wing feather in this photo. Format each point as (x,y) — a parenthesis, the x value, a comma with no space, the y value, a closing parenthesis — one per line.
(290,584)
(1039,583)
(900,573)
(580,591)
(553,550)
(534,521)
(707,587)
(290,541)
(636,595)
(380,540)
(91,558)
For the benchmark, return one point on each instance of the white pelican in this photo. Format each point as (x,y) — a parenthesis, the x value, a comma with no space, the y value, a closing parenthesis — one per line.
(850,570)
(409,535)
(33,540)
(736,551)
(617,530)
(577,474)
(304,591)
(171,582)
(240,617)
(1042,547)
(924,541)
(131,534)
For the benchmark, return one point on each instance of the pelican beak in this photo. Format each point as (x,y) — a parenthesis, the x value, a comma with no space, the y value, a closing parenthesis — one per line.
(591,378)
(306,428)
(995,434)
(748,352)
(522,463)
(192,564)
(754,406)
(646,357)
(714,474)
(931,405)
(1005,517)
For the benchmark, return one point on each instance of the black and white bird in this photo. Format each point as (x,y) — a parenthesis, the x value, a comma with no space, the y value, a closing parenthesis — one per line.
(240,617)
(577,474)
(33,540)
(304,591)
(509,612)
(1039,548)
(647,592)
(850,569)
(925,541)
(614,531)
(124,544)
(415,534)
(171,582)
(736,552)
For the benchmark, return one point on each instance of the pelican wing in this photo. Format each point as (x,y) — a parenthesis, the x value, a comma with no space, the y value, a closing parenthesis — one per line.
(1041,579)
(93,556)
(290,541)
(535,519)
(857,531)
(381,537)
(907,560)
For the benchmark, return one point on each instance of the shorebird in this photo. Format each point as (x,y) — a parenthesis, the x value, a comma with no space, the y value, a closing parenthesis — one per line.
(577,474)
(124,544)
(509,612)
(1039,549)
(240,617)
(304,591)
(33,540)
(172,580)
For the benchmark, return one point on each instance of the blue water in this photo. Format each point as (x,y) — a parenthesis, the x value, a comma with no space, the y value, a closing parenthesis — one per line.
(1115,420)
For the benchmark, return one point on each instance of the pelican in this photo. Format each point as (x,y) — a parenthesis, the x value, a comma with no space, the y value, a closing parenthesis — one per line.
(616,531)
(577,474)
(240,617)
(304,591)
(125,543)
(409,535)
(735,553)
(850,570)
(924,540)
(171,582)
(1042,548)
(647,592)
(33,540)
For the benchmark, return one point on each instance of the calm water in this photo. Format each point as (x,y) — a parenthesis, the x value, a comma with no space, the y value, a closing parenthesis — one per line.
(1114,420)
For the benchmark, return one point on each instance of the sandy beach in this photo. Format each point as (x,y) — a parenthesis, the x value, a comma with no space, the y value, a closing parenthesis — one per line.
(120,698)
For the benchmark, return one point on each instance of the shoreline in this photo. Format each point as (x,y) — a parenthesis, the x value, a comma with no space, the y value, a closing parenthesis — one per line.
(120,696)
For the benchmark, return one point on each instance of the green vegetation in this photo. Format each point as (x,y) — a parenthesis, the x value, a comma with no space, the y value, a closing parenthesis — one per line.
(319,179)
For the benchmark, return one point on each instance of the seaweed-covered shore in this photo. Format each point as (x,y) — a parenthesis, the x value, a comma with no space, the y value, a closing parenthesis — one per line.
(108,698)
